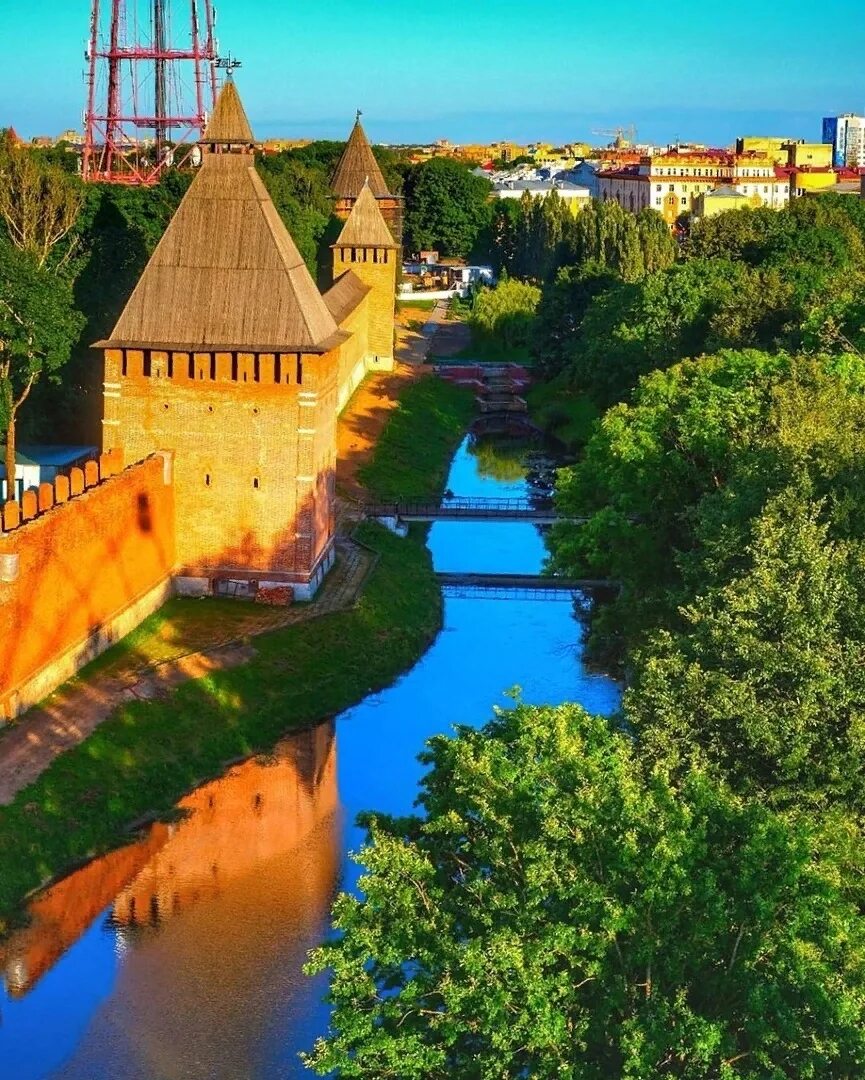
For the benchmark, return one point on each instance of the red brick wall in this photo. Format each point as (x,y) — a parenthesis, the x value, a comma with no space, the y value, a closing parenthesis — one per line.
(254,452)
(80,563)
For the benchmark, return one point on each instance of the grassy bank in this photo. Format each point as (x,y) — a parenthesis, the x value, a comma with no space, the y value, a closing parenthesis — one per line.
(411,457)
(142,760)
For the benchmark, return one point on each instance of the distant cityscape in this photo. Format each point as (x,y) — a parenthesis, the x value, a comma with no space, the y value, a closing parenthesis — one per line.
(681,178)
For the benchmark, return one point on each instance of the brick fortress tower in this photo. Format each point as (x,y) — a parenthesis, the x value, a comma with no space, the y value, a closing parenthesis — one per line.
(358,168)
(227,355)
(366,249)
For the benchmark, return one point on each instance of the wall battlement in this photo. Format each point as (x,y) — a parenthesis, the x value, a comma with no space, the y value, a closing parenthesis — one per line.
(223,366)
(82,562)
(36,501)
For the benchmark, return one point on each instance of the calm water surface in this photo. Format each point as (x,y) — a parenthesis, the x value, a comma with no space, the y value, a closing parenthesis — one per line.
(178,958)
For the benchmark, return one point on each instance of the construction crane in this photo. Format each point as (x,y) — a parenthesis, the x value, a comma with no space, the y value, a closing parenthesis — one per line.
(621,136)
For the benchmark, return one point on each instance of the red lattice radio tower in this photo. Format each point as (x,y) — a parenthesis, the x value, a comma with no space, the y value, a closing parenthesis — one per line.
(151,81)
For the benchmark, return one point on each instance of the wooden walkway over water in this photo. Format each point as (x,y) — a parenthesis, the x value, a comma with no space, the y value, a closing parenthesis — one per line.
(519,586)
(539,511)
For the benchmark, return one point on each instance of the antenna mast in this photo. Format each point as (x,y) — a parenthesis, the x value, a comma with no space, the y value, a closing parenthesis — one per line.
(148,86)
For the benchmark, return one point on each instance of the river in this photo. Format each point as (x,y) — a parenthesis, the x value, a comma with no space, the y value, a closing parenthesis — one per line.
(179,957)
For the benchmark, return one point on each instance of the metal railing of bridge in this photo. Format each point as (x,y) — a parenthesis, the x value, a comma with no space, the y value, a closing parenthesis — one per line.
(504,592)
(460,505)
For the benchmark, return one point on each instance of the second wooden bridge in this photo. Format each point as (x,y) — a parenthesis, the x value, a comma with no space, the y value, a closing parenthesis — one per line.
(520,586)
(540,511)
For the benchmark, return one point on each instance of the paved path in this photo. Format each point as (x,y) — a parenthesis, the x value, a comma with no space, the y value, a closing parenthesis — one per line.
(28,746)
(415,341)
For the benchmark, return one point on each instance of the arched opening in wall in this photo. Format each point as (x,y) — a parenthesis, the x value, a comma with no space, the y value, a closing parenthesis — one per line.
(207,479)
(256,483)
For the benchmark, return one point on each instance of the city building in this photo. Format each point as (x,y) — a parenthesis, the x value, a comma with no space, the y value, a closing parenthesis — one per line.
(575,196)
(846,133)
(771,146)
(671,181)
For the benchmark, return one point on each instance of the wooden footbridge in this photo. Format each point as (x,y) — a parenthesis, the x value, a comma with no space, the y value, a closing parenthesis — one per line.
(538,511)
(519,586)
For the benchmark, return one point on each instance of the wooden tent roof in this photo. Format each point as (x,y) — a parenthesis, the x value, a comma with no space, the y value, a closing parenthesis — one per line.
(344,296)
(226,275)
(356,167)
(229,123)
(365,226)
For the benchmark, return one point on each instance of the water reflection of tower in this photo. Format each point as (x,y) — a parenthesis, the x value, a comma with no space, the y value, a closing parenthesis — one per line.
(218,923)
(258,812)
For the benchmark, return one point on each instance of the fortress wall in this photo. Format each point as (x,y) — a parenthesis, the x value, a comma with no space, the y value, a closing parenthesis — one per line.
(354,354)
(82,562)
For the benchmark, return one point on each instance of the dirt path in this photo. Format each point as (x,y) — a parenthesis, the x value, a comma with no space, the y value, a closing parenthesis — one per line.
(28,746)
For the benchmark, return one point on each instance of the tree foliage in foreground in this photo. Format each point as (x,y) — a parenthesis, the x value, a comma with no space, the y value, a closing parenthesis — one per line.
(558,911)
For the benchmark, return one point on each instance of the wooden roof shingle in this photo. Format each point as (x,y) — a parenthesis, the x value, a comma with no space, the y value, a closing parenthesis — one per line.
(228,123)
(365,226)
(344,295)
(226,274)
(356,167)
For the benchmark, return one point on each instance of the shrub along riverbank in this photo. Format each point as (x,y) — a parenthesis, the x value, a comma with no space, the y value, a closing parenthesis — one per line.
(150,753)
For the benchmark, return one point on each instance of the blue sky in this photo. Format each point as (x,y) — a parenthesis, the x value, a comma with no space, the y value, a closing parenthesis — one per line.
(487,69)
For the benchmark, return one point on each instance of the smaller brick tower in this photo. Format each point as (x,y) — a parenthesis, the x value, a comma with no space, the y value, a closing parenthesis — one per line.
(366,247)
(356,168)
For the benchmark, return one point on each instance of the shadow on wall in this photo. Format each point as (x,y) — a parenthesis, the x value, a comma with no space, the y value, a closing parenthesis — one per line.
(82,551)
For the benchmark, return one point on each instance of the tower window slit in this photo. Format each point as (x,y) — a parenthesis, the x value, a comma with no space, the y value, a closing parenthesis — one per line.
(299,370)
(207,479)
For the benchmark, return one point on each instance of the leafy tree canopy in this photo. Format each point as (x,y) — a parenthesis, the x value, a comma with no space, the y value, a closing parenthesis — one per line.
(505,314)
(447,207)
(671,483)
(559,911)
(766,678)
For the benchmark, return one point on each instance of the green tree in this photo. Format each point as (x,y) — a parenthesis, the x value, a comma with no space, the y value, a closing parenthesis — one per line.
(558,911)
(671,482)
(447,207)
(302,197)
(630,246)
(38,324)
(39,204)
(563,306)
(766,680)
(506,313)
